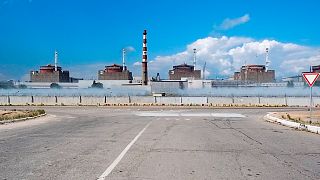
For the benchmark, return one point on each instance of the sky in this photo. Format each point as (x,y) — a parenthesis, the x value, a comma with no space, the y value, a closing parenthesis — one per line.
(89,35)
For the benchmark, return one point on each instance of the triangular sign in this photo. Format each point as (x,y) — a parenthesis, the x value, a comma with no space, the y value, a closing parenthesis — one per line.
(310,78)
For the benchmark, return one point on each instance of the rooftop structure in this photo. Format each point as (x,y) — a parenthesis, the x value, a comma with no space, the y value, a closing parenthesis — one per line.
(315,69)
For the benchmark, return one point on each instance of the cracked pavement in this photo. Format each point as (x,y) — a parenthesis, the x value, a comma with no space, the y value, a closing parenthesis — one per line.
(81,142)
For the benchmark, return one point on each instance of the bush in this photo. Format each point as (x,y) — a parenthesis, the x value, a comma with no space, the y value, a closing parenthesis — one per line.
(27,113)
(97,85)
(22,86)
(55,86)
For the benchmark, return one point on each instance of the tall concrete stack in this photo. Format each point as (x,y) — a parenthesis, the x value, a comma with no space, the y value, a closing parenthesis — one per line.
(144,60)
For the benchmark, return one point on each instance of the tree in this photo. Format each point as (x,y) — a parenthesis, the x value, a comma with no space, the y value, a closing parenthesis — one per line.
(97,85)
(55,86)
(290,84)
(22,86)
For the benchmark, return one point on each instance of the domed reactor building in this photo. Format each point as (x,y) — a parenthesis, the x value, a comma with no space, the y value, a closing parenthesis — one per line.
(115,71)
(185,71)
(256,73)
(50,73)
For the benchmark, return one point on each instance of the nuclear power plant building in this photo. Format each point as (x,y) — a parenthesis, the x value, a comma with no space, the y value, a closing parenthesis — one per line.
(315,69)
(50,73)
(184,71)
(255,74)
(115,72)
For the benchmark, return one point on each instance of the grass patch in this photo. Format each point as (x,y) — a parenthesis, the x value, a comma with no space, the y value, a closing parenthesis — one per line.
(18,114)
(299,120)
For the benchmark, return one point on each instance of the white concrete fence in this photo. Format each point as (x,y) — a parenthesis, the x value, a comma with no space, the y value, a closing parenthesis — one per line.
(149,100)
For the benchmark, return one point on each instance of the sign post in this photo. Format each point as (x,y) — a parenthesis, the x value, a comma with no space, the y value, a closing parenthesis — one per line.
(310,78)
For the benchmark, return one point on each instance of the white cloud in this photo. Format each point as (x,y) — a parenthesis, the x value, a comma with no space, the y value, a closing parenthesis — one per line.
(225,55)
(231,23)
(130,49)
(137,63)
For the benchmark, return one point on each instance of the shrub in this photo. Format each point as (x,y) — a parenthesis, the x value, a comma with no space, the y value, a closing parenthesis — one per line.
(97,85)
(25,114)
(55,86)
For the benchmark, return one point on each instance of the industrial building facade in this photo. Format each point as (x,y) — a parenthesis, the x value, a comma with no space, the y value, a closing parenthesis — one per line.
(255,74)
(49,73)
(315,69)
(115,72)
(184,71)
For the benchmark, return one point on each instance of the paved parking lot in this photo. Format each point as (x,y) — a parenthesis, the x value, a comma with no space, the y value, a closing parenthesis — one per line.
(156,143)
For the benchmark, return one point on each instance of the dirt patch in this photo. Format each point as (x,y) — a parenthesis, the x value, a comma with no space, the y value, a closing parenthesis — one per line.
(301,116)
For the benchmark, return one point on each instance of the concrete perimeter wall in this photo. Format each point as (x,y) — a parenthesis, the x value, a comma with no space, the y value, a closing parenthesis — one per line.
(92,100)
(145,100)
(169,100)
(118,100)
(45,100)
(3,100)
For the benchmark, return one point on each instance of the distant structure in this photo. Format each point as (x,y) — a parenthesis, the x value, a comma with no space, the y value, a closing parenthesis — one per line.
(204,71)
(115,71)
(50,73)
(255,74)
(195,58)
(315,69)
(144,59)
(184,71)
(267,59)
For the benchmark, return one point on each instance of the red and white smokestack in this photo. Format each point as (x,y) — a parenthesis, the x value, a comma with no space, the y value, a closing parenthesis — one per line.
(144,59)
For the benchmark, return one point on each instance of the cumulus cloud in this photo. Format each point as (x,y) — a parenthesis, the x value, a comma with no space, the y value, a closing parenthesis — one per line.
(231,23)
(224,55)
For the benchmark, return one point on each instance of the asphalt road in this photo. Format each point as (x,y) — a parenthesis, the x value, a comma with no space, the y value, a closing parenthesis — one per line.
(154,143)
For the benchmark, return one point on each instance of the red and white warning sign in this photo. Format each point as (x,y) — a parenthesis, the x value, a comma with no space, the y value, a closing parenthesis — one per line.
(310,77)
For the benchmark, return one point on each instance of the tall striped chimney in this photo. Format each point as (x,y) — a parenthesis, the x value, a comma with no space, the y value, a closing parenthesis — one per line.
(144,59)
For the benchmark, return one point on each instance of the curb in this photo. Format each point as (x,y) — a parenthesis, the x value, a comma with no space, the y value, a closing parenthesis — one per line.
(304,127)
(21,119)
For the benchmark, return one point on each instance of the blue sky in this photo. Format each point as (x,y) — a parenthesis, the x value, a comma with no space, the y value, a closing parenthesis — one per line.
(92,33)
